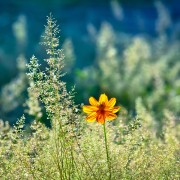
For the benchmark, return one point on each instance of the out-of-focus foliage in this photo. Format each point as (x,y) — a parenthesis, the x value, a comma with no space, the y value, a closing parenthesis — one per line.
(70,56)
(20,32)
(12,95)
(129,67)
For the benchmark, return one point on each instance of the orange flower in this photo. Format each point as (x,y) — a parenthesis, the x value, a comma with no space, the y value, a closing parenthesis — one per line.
(102,110)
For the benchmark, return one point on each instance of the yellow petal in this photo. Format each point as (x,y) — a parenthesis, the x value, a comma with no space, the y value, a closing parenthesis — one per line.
(112,102)
(116,109)
(111,116)
(100,118)
(103,99)
(90,109)
(91,117)
(93,101)
(108,109)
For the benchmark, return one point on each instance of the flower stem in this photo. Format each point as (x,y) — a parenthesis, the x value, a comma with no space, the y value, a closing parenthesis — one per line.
(107,152)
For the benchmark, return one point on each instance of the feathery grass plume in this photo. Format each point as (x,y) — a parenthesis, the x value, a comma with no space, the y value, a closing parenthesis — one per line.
(57,101)
(32,103)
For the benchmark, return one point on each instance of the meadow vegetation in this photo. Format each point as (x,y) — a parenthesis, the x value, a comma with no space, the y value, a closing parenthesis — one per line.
(143,142)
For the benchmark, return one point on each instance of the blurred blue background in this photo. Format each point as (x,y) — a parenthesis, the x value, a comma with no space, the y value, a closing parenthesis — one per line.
(80,21)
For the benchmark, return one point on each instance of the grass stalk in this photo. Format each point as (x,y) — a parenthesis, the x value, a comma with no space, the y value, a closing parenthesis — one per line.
(107,152)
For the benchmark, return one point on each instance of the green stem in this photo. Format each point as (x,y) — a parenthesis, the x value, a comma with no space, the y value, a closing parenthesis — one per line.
(107,152)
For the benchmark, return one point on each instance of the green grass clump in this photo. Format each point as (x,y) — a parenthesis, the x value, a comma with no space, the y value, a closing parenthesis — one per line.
(74,149)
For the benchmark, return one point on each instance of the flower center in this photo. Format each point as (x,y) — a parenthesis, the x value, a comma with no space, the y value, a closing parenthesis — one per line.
(101,108)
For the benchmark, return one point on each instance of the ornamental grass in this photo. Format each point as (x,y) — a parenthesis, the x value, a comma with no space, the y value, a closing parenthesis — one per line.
(132,146)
